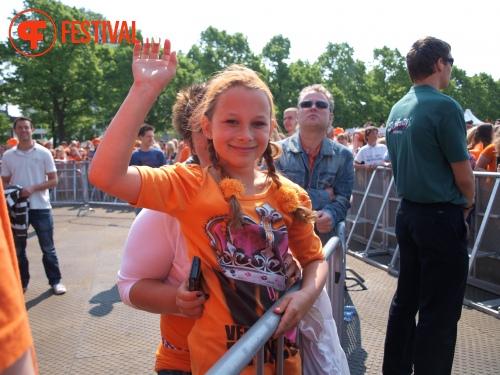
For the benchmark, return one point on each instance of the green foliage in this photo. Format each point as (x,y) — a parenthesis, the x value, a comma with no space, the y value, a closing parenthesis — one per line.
(274,55)
(345,78)
(387,82)
(5,128)
(218,49)
(74,90)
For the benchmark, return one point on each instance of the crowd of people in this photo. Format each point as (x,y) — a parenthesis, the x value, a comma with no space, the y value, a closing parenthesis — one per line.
(256,205)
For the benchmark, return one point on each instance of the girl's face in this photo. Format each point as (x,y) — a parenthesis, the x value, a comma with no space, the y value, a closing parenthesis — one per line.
(240,127)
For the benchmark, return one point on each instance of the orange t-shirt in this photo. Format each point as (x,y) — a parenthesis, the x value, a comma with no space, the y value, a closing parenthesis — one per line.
(184,154)
(15,333)
(476,151)
(74,158)
(491,153)
(242,268)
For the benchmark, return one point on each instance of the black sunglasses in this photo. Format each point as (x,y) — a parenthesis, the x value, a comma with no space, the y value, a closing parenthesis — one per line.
(451,60)
(309,103)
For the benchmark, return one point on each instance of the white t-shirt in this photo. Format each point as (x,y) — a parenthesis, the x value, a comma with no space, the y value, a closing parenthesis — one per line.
(371,154)
(26,168)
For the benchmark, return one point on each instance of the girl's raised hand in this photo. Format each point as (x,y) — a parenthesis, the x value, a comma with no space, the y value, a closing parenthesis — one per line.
(149,69)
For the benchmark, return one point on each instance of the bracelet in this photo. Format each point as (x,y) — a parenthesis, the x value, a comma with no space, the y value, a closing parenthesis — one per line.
(471,206)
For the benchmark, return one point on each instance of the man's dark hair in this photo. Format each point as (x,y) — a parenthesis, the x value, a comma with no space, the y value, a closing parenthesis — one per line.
(21,118)
(423,55)
(145,128)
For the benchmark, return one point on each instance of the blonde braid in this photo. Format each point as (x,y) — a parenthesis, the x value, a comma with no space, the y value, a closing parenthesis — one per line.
(271,168)
(235,210)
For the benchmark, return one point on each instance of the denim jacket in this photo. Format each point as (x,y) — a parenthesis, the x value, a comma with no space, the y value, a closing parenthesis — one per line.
(333,167)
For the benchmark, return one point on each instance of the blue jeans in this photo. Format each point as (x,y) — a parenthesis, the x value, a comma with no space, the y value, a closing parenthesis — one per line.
(433,271)
(42,222)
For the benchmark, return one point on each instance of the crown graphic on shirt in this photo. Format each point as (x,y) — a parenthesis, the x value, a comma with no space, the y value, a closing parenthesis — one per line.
(253,253)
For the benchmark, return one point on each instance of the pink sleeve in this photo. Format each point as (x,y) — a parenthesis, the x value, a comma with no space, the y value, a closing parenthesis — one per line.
(155,249)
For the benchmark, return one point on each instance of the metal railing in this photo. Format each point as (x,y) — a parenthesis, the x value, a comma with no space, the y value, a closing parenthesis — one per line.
(372,225)
(74,187)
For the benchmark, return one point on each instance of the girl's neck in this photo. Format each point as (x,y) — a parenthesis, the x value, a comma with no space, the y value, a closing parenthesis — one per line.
(254,181)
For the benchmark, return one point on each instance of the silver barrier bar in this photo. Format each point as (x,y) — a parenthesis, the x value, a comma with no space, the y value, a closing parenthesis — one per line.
(361,207)
(336,279)
(244,350)
(487,213)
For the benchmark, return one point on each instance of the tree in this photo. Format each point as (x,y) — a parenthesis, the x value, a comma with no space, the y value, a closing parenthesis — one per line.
(302,74)
(218,49)
(274,54)
(5,128)
(387,82)
(65,88)
(345,78)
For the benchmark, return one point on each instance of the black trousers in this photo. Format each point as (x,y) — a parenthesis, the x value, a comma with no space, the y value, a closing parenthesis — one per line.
(432,279)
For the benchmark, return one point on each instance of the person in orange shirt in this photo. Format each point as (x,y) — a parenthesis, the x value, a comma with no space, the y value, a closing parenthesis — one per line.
(60,155)
(489,158)
(75,155)
(482,138)
(64,145)
(16,341)
(183,151)
(226,207)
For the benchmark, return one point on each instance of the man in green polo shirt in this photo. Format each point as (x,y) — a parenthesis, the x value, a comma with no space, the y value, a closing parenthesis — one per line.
(426,143)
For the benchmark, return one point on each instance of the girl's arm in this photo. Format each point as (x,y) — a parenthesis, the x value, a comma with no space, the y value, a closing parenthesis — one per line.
(295,305)
(154,296)
(482,163)
(109,170)
(154,263)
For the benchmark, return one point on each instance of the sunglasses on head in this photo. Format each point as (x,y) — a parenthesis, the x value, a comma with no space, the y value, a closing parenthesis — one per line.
(309,103)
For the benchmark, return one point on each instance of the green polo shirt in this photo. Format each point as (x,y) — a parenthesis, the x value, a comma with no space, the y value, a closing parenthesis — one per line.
(425,134)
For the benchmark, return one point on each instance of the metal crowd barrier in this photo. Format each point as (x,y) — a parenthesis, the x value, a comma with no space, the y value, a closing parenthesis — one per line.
(252,344)
(74,188)
(372,218)
(371,227)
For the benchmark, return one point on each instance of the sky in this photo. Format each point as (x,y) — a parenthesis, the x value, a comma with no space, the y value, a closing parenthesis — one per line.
(470,28)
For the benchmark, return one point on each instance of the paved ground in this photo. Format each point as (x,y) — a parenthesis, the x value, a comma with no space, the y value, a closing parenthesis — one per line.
(90,331)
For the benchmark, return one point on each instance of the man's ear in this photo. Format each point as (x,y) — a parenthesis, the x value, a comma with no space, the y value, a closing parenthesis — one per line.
(331,117)
(206,127)
(439,65)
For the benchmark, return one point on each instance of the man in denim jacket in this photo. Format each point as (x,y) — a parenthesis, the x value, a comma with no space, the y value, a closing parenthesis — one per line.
(321,166)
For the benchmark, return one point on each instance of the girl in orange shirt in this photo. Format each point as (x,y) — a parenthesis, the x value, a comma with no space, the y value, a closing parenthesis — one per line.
(238,220)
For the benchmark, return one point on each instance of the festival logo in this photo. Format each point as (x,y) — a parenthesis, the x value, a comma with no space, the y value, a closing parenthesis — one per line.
(37,32)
